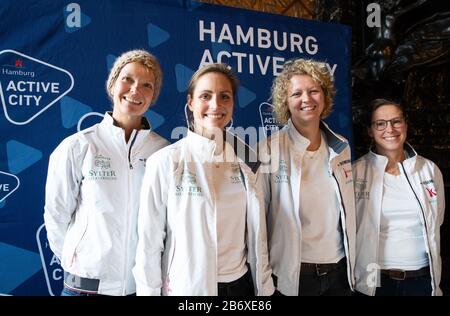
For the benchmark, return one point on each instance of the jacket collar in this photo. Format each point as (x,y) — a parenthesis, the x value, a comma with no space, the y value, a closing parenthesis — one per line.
(200,146)
(296,137)
(109,122)
(203,148)
(335,142)
(108,119)
(410,154)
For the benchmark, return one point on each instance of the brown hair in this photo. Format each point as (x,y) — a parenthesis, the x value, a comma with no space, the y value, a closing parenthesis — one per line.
(375,104)
(216,67)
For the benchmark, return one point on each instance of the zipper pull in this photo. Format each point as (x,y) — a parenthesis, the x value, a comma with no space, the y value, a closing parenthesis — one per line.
(129,149)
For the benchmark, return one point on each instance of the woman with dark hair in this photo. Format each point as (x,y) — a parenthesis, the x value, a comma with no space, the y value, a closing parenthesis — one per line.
(400,208)
(202,228)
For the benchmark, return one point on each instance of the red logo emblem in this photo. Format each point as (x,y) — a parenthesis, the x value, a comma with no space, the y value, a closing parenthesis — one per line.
(431,192)
(346,172)
(19,63)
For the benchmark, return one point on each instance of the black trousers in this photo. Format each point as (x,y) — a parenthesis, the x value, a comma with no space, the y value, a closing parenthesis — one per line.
(332,283)
(240,287)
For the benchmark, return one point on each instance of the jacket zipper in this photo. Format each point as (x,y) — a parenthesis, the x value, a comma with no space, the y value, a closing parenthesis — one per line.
(129,150)
(344,229)
(425,222)
(127,216)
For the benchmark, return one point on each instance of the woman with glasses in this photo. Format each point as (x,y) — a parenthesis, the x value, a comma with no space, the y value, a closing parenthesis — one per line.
(399,211)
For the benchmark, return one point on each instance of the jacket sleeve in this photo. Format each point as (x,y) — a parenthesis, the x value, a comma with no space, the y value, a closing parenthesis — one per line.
(151,229)
(441,194)
(267,287)
(61,192)
(265,169)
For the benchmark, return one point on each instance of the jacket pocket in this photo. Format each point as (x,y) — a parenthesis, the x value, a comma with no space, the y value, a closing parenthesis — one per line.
(78,238)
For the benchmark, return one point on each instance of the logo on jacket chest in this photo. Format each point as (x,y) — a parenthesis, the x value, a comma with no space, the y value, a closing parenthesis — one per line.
(282,175)
(430,190)
(235,174)
(188,185)
(101,169)
(361,192)
(346,169)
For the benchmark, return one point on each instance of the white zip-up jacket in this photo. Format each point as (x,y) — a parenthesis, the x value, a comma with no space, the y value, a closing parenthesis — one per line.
(426,183)
(92,200)
(286,149)
(177,249)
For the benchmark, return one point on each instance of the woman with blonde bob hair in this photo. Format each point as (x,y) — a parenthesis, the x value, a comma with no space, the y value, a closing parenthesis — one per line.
(309,191)
(93,183)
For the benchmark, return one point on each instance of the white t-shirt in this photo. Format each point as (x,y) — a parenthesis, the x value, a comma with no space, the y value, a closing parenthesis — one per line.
(402,245)
(231,209)
(319,209)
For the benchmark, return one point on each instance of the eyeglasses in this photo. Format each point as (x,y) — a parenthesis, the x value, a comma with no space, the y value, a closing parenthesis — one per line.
(380,125)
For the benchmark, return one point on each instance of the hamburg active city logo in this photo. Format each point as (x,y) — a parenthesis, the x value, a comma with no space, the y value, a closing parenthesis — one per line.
(51,265)
(268,121)
(8,184)
(29,87)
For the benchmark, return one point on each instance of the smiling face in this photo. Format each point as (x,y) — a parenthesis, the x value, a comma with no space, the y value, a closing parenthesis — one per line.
(391,139)
(211,102)
(133,91)
(305,100)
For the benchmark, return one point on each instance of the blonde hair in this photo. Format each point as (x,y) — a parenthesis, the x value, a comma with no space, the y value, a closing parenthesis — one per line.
(141,56)
(316,70)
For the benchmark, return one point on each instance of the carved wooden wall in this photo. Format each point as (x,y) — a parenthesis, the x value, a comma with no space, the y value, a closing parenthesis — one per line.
(296,8)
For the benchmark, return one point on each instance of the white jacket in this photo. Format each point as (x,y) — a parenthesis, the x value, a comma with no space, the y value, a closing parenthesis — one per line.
(177,249)
(284,230)
(425,181)
(92,200)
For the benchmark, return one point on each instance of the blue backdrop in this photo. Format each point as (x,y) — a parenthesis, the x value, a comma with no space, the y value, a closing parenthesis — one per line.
(54,60)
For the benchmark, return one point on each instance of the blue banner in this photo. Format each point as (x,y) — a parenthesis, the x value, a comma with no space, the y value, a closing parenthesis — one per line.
(55,57)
